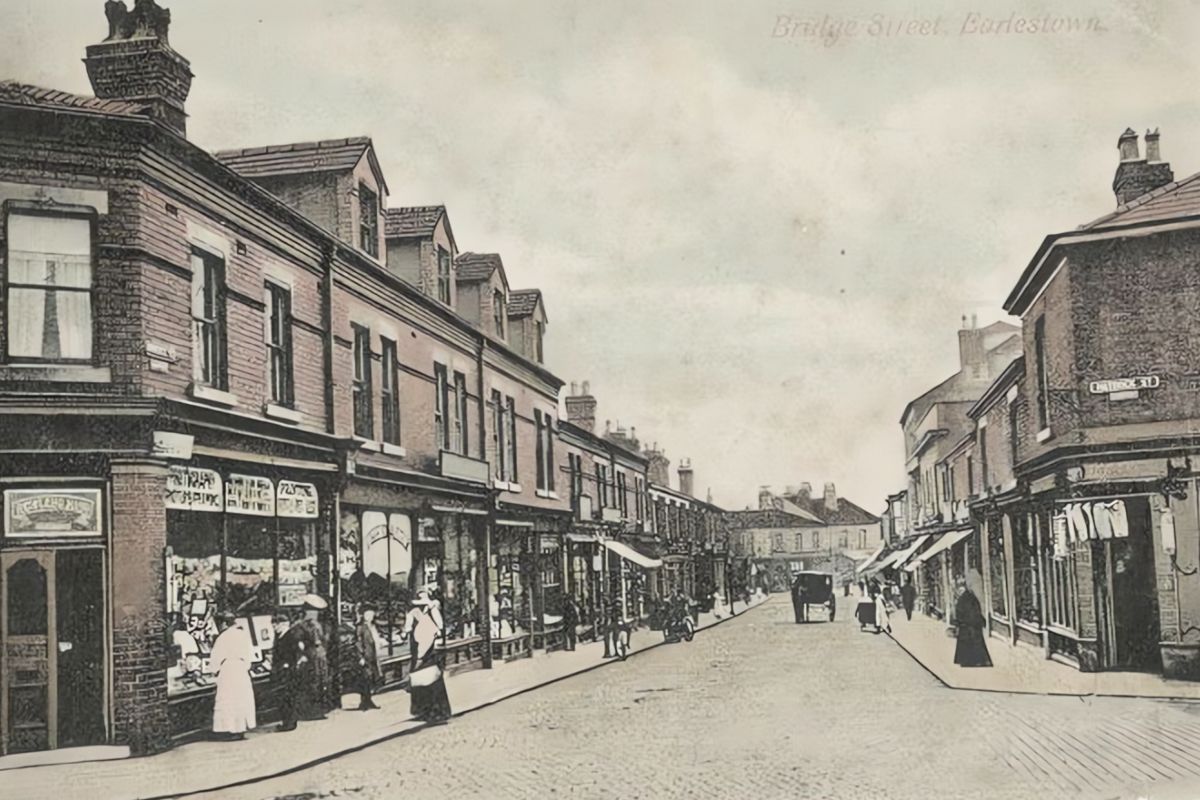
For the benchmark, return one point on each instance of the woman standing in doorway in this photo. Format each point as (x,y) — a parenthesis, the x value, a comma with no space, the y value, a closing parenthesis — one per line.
(430,703)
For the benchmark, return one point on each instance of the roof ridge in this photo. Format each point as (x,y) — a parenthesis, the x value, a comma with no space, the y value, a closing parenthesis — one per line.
(1139,201)
(293,147)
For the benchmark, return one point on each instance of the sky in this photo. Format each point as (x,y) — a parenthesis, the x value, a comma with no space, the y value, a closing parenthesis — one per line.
(757,225)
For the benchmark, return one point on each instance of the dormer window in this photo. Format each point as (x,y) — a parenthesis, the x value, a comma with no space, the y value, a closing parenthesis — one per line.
(539,333)
(499,313)
(443,275)
(368,220)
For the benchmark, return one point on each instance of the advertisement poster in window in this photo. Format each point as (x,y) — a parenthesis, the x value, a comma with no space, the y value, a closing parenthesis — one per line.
(193,489)
(250,495)
(51,513)
(297,500)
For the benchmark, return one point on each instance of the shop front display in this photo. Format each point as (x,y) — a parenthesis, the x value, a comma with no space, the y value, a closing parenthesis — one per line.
(510,608)
(243,544)
(375,567)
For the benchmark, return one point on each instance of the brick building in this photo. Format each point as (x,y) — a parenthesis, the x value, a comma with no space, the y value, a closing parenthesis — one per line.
(229,380)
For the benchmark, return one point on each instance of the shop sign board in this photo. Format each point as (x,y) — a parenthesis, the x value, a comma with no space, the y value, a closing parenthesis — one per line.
(51,513)
(168,444)
(296,500)
(194,489)
(250,495)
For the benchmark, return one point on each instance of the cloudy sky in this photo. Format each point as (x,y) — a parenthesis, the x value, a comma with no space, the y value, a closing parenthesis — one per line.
(755,242)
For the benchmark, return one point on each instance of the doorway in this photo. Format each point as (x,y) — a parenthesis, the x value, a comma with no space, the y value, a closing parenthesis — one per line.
(51,649)
(1132,598)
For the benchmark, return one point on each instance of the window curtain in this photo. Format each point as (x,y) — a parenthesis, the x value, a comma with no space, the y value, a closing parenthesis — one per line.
(55,253)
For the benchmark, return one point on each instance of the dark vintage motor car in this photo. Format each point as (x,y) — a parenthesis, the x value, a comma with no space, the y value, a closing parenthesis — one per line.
(816,589)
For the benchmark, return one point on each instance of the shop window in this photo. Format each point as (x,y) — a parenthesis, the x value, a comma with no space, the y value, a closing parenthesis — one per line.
(279,343)
(363,423)
(254,567)
(389,392)
(998,568)
(509,607)
(460,579)
(1025,572)
(209,366)
(375,566)
(552,588)
(48,292)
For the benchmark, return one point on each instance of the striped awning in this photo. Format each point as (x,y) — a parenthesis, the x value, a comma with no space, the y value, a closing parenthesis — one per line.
(870,560)
(947,541)
(908,552)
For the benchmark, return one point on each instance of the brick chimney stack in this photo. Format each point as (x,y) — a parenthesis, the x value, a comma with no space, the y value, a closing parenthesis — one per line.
(1137,176)
(831,498)
(581,408)
(686,477)
(136,63)
(972,353)
(658,470)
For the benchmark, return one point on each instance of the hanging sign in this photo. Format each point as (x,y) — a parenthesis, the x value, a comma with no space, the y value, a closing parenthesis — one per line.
(296,500)
(55,513)
(192,489)
(250,495)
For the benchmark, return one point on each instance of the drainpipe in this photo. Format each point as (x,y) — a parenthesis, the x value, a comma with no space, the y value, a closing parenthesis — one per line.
(327,343)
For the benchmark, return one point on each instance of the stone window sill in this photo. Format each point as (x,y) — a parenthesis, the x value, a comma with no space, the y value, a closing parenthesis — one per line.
(283,413)
(393,450)
(55,373)
(369,444)
(208,394)
(515,488)
(1044,435)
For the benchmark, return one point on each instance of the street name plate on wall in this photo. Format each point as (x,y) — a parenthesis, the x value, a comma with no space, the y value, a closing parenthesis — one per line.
(250,495)
(172,445)
(51,513)
(1124,385)
(296,500)
(194,489)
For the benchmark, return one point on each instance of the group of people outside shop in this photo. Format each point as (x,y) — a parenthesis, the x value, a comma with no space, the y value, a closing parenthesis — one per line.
(301,674)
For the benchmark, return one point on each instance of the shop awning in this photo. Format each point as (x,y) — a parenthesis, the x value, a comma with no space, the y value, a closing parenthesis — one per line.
(908,552)
(629,554)
(884,562)
(947,541)
(870,560)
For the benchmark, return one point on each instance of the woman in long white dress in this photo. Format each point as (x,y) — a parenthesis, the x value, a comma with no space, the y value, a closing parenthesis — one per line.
(233,709)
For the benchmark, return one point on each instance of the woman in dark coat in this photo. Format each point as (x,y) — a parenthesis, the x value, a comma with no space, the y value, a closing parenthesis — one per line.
(970,650)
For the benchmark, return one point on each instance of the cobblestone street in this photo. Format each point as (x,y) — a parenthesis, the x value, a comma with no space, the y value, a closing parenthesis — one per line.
(763,708)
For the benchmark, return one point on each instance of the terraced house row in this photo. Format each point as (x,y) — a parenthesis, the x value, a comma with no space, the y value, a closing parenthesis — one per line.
(1060,461)
(231,379)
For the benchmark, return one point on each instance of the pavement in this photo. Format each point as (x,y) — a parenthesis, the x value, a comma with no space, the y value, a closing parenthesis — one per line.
(764,708)
(215,766)
(1024,669)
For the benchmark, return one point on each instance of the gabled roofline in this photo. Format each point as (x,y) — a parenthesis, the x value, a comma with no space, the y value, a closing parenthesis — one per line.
(927,439)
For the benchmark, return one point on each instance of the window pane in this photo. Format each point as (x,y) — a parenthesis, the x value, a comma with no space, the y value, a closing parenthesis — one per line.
(250,566)
(27,614)
(74,324)
(193,592)
(26,322)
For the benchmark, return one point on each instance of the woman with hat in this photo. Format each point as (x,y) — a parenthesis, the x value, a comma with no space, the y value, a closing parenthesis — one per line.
(233,709)
(430,703)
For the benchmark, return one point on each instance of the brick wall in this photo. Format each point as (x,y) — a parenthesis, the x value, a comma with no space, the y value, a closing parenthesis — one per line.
(314,196)
(139,535)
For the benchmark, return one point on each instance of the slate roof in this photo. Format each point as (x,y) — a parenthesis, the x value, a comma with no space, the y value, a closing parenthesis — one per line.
(768,518)
(847,513)
(330,155)
(473,267)
(401,223)
(523,302)
(25,94)
(1176,199)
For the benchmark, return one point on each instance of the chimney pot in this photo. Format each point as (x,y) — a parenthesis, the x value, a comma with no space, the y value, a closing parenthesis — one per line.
(1127,145)
(1136,177)
(573,392)
(136,63)
(587,387)
(1152,153)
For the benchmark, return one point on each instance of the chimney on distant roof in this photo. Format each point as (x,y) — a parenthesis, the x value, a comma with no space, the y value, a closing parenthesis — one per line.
(135,63)
(766,500)
(581,408)
(805,490)
(972,354)
(658,470)
(831,498)
(686,477)
(1138,176)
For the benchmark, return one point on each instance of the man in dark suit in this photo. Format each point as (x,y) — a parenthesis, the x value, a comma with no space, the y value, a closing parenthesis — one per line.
(799,601)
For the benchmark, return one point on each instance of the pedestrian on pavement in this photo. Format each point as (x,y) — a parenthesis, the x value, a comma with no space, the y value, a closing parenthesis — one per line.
(570,622)
(846,588)
(882,618)
(612,625)
(970,650)
(287,662)
(232,654)
(368,672)
(427,682)
(313,676)
(908,596)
